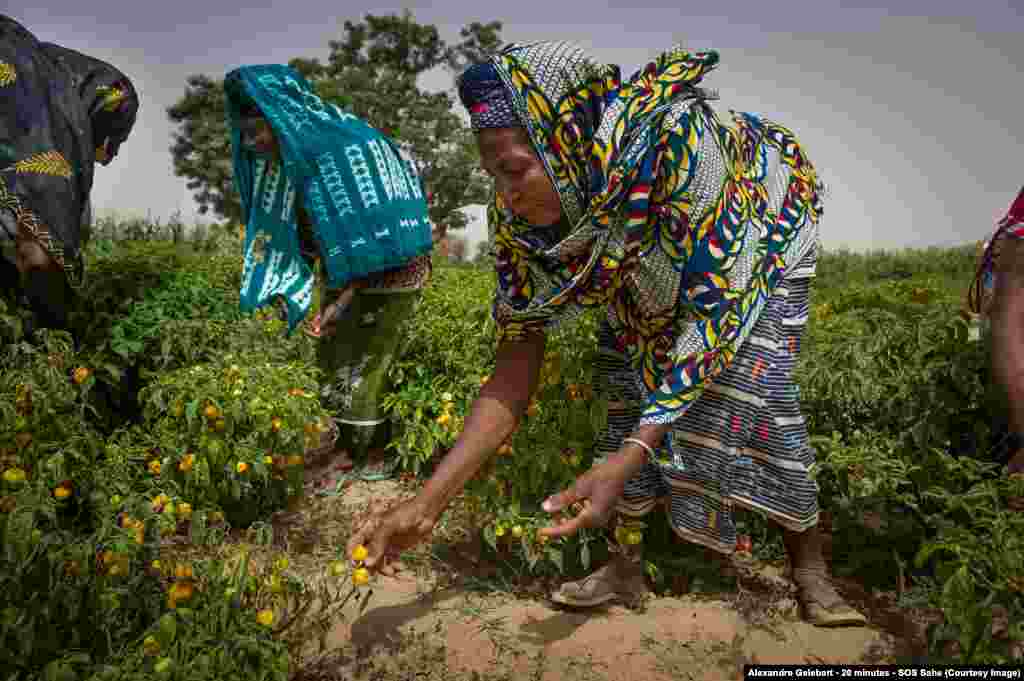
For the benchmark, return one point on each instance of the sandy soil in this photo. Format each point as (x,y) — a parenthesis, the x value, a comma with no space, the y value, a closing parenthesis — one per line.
(506,636)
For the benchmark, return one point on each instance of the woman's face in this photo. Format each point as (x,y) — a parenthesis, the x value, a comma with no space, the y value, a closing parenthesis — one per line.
(259,136)
(519,176)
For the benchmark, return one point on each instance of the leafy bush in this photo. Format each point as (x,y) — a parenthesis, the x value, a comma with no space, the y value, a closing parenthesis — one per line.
(90,586)
(65,564)
(900,403)
(232,433)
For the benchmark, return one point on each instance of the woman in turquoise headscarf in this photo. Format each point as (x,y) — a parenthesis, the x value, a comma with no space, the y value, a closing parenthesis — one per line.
(320,184)
(697,234)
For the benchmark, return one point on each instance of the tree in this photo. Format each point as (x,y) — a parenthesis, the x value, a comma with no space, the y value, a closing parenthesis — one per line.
(479,43)
(202,147)
(374,73)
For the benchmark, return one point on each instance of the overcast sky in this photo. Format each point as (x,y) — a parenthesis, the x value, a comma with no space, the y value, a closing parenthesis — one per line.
(914,116)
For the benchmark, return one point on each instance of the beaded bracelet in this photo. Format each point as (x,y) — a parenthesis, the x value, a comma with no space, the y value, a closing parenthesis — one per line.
(643,445)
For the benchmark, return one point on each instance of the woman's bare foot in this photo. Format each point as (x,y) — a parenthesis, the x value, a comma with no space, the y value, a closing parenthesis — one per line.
(621,580)
(379,466)
(325,475)
(819,601)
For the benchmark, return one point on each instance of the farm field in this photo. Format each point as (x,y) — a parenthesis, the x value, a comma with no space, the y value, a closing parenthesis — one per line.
(159,520)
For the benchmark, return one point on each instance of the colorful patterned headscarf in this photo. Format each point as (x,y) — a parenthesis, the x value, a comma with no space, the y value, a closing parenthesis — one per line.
(65,104)
(594,135)
(680,226)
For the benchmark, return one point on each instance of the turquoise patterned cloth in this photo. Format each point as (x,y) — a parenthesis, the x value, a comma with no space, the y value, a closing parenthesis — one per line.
(362,193)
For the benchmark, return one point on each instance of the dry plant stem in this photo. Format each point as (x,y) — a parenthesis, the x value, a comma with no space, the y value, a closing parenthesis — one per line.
(330,614)
(294,618)
(362,607)
(366,602)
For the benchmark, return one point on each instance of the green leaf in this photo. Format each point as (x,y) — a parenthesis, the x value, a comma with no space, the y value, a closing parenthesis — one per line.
(556,555)
(930,549)
(490,537)
(79,659)
(115,372)
(197,528)
(167,629)
(59,671)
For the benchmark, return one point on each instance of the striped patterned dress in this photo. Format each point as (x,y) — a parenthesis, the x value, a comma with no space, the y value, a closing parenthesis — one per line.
(743,443)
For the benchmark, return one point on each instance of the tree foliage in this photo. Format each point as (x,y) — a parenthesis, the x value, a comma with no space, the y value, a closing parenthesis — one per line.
(374,72)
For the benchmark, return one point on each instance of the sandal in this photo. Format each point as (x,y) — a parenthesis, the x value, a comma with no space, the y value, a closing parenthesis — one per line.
(821,604)
(330,484)
(602,586)
(378,470)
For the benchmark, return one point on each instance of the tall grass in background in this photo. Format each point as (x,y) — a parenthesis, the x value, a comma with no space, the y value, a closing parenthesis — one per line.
(953,267)
(112,230)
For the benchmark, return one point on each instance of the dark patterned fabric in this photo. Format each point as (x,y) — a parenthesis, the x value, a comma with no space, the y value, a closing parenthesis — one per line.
(485,96)
(56,107)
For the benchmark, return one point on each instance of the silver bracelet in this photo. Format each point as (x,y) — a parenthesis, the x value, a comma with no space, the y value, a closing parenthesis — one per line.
(643,445)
